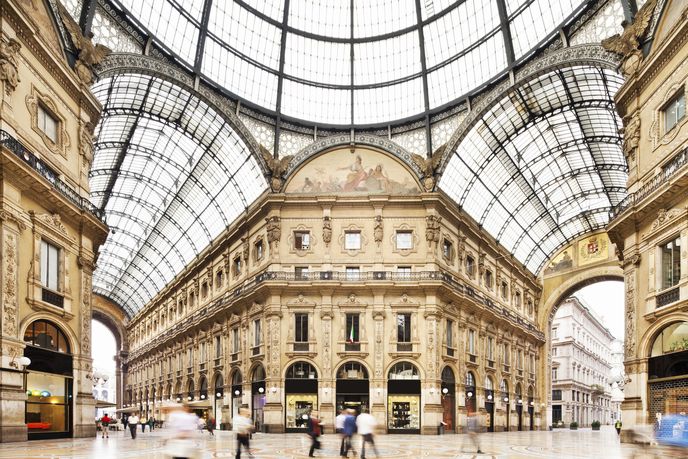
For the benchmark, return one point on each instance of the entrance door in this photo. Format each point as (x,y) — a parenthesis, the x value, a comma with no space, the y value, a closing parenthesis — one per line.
(519,412)
(531,412)
(356,402)
(448,409)
(489,407)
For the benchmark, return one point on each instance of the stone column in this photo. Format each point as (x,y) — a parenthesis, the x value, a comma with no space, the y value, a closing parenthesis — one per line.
(273,412)
(633,408)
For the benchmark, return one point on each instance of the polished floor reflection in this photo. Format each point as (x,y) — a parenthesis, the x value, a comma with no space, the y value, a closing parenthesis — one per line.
(558,444)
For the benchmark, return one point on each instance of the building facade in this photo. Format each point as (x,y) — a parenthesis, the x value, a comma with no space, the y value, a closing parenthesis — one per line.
(581,367)
(379,297)
(49,232)
(650,227)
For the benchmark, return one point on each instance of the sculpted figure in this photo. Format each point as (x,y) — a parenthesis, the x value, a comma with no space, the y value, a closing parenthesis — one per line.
(277,166)
(89,54)
(427,167)
(8,64)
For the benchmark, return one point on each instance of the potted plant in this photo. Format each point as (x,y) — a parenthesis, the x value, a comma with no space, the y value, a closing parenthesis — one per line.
(573,425)
(595,425)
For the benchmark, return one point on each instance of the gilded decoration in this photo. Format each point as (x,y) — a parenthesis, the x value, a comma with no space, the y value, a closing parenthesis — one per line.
(277,168)
(593,249)
(9,73)
(627,44)
(365,171)
(61,144)
(9,288)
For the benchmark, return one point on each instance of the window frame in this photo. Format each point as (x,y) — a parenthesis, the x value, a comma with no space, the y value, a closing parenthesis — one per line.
(45,262)
(359,241)
(302,240)
(674,276)
(674,101)
(301,327)
(43,113)
(404,329)
(397,240)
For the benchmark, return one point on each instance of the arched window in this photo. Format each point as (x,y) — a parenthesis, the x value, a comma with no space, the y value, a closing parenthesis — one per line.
(404,370)
(302,370)
(352,370)
(673,338)
(236,378)
(258,374)
(203,388)
(504,386)
(519,393)
(489,385)
(46,335)
(190,386)
(448,376)
(470,379)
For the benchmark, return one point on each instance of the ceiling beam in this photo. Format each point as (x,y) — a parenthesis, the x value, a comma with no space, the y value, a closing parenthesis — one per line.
(630,8)
(506,32)
(202,35)
(424,70)
(88,11)
(280,79)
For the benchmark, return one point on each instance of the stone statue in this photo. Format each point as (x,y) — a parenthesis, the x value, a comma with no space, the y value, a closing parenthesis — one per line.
(277,167)
(378,230)
(274,232)
(432,230)
(327,230)
(89,54)
(631,135)
(427,166)
(8,64)
(627,43)
(86,143)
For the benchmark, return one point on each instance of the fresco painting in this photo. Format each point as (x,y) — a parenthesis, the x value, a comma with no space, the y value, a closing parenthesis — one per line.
(363,171)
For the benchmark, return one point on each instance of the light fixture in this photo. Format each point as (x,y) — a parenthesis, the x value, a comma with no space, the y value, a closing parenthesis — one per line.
(469,394)
(261,390)
(489,396)
(190,397)
(20,362)
(520,401)
(237,392)
(445,390)
(531,403)
(506,399)
(202,396)
(179,399)
(304,416)
(219,394)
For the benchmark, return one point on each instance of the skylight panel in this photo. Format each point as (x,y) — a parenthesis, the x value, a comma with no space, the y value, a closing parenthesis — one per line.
(387,60)
(317,61)
(394,102)
(321,17)
(379,17)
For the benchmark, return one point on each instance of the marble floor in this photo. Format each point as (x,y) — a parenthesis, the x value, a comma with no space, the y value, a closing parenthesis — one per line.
(557,444)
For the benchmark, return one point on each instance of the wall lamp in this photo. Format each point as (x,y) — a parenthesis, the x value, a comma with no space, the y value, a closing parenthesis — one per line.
(20,363)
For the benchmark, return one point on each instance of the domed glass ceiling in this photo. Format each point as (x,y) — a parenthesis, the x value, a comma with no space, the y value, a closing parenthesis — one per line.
(350,62)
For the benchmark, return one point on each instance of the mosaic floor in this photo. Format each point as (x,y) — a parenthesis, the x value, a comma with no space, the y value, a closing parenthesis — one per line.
(558,444)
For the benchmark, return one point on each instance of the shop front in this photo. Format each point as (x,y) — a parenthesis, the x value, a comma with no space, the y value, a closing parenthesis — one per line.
(489,404)
(471,398)
(519,407)
(448,399)
(301,395)
(49,384)
(352,388)
(237,392)
(258,396)
(403,399)
(504,389)
(531,409)
(218,394)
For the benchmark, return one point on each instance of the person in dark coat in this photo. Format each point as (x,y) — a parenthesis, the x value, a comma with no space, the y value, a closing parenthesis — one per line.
(349,431)
(314,431)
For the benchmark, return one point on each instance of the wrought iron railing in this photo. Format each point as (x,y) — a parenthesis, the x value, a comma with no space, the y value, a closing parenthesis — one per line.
(23,153)
(53,298)
(668,297)
(669,171)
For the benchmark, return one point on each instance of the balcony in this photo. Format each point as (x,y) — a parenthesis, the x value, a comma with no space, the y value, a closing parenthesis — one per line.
(189,370)
(506,368)
(234,357)
(404,347)
(53,298)
(16,147)
(490,363)
(472,358)
(352,347)
(218,362)
(255,350)
(667,297)
(301,347)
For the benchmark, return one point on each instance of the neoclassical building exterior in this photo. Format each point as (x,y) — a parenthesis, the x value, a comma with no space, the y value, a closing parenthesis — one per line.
(49,230)
(350,288)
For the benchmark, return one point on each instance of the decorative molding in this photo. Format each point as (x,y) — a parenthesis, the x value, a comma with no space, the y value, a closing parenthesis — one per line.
(52,222)
(342,240)
(657,132)
(311,243)
(9,285)
(9,216)
(414,234)
(9,73)
(62,143)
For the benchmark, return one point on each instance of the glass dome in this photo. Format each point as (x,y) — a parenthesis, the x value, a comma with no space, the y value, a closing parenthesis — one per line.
(350,62)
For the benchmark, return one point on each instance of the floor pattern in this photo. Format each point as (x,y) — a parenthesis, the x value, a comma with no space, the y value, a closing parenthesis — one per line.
(558,444)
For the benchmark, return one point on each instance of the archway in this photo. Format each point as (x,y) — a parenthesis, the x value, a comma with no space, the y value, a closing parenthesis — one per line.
(403,398)
(471,396)
(218,399)
(237,392)
(258,395)
(519,405)
(668,371)
(104,352)
(489,403)
(352,387)
(449,399)
(301,393)
(504,396)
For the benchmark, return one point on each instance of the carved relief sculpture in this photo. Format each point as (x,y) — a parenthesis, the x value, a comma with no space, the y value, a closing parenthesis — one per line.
(428,166)
(379,333)
(89,54)
(9,73)
(277,167)
(631,135)
(378,231)
(274,233)
(432,231)
(327,230)
(627,43)
(86,314)
(86,143)
(9,306)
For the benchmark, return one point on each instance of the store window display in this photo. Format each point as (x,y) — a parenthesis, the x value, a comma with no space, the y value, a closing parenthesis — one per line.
(403,399)
(301,389)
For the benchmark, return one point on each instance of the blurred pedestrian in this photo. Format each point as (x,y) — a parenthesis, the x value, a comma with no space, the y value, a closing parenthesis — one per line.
(348,431)
(151,423)
(242,425)
(133,423)
(314,426)
(473,426)
(210,425)
(181,424)
(339,428)
(144,423)
(104,423)
(617,426)
(125,422)
(365,424)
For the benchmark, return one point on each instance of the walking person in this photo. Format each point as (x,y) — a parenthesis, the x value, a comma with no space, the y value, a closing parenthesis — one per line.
(348,431)
(365,424)
(104,423)
(339,428)
(151,423)
(133,423)
(125,423)
(314,426)
(182,427)
(472,425)
(617,426)
(210,425)
(242,425)
(144,423)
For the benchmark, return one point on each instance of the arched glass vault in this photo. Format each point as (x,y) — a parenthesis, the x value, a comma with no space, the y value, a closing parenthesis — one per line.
(171,174)
(544,164)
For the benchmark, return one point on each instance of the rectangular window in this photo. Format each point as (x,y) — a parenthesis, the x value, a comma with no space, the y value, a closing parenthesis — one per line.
(50,256)
(671,263)
(352,240)
(556,394)
(302,240)
(447,249)
(675,111)
(218,346)
(189,355)
(404,328)
(404,240)
(352,328)
(301,327)
(490,348)
(47,123)
(554,374)
(257,332)
(237,266)
(520,360)
(471,342)
(353,273)
(204,354)
(517,299)
(554,352)
(507,355)
(470,266)
(259,250)
(404,272)
(554,333)
(450,333)
(301,272)
(235,340)
(504,290)
(488,279)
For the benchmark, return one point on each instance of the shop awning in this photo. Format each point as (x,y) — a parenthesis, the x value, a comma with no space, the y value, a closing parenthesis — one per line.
(199,404)
(104,404)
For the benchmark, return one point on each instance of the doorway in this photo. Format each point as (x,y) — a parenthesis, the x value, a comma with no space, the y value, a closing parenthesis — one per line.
(352,388)
(448,400)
